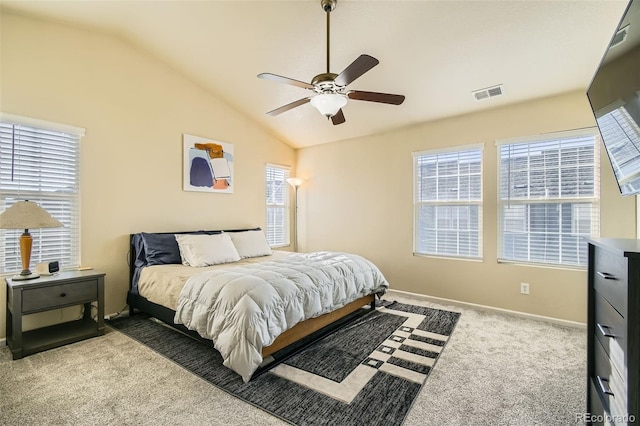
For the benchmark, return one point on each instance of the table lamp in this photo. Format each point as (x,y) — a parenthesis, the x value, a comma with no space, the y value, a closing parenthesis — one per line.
(26,215)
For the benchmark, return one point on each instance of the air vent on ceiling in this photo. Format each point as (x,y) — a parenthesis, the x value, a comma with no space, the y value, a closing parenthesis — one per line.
(620,36)
(489,92)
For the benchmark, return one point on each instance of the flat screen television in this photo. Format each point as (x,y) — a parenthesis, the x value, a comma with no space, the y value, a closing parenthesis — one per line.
(614,95)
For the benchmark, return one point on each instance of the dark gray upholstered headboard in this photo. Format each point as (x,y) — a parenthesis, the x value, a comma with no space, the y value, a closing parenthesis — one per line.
(158,248)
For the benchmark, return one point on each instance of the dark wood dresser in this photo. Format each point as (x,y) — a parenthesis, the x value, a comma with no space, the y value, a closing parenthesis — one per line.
(613,343)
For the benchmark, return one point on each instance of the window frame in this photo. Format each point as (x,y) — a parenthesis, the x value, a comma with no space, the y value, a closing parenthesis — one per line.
(58,244)
(417,203)
(594,200)
(285,207)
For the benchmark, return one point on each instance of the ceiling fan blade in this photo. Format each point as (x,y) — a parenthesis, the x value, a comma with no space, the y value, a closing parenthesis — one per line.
(384,98)
(358,67)
(285,80)
(287,107)
(338,118)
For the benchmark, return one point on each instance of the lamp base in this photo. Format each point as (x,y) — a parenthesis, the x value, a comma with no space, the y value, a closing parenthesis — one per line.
(25,277)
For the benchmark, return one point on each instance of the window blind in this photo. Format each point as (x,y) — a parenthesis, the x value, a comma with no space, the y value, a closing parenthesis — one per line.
(40,163)
(448,202)
(549,199)
(277,221)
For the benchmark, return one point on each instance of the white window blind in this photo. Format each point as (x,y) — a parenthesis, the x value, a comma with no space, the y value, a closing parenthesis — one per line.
(39,162)
(277,224)
(549,198)
(622,139)
(448,202)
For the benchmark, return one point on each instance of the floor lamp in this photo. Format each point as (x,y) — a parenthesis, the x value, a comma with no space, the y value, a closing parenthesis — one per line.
(295,182)
(26,215)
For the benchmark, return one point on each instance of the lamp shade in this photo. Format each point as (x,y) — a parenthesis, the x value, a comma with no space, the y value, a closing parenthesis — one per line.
(27,215)
(328,103)
(295,182)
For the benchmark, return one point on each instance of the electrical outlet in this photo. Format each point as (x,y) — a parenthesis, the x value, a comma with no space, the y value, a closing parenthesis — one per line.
(524,288)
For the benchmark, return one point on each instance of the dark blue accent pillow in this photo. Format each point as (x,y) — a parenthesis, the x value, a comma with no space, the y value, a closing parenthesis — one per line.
(161,249)
(138,246)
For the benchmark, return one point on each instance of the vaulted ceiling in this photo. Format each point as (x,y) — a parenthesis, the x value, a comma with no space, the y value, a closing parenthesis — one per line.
(433,52)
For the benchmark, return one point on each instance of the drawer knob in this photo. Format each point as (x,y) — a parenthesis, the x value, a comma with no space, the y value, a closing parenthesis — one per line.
(603,329)
(606,275)
(604,388)
(63,294)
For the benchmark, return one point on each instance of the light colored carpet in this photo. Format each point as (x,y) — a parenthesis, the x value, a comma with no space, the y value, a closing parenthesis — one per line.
(504,370)
(496,369)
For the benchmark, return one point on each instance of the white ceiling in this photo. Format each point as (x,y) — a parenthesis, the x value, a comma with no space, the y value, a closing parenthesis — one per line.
(433,52)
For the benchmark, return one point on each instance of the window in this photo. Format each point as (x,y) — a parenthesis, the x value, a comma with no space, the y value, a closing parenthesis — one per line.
(448,202)
(549,198)
(39,161)
(277,231)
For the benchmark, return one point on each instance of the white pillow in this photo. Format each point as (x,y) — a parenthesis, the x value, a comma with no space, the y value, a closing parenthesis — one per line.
(204,249)
(250,243)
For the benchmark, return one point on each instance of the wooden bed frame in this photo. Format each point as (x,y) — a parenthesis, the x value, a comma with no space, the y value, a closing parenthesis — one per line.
(288,343)
(312,325)
(295,334)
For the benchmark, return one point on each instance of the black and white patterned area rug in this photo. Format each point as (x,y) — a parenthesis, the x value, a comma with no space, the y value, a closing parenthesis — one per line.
(366,373)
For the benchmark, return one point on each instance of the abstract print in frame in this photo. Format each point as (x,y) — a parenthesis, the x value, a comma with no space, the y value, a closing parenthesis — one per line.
(207,165)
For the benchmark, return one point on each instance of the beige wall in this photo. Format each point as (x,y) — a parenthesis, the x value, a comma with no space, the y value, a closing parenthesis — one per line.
(359,197)
(134,110)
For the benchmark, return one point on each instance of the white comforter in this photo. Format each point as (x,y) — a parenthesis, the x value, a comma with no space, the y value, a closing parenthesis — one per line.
(245,308)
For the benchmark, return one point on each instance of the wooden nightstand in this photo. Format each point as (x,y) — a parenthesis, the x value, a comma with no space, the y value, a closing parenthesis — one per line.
(57,291)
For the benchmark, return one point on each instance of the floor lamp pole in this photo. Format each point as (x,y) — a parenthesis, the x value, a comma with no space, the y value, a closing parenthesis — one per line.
(295,218)
(295,182)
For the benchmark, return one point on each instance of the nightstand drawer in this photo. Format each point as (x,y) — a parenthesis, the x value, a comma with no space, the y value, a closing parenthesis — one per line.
(43,298)
(611,331)
(610,279)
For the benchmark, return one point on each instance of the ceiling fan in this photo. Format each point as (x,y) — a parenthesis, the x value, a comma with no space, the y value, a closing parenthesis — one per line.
(329,88)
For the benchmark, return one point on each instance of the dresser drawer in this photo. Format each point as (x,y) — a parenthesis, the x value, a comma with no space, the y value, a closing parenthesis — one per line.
(609,385)
(43,298)
(611,331)
(595,405)
(610,278)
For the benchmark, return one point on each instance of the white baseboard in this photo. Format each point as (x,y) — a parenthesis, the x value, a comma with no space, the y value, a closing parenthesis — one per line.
(3,341)
(124,312)
(116,315)
(488,308)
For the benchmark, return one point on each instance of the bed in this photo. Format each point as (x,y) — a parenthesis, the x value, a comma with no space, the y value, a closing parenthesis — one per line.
(228,287)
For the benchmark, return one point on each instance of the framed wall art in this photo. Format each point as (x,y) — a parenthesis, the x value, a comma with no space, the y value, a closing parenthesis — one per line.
(207,165)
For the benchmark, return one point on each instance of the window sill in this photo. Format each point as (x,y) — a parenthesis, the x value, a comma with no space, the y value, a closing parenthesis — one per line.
(543,265)
(435,256)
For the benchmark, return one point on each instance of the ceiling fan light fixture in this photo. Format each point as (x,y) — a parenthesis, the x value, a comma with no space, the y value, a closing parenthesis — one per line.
(329,88)
(328,103)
